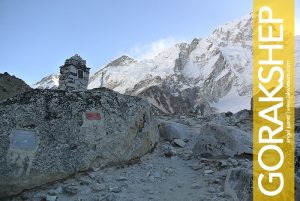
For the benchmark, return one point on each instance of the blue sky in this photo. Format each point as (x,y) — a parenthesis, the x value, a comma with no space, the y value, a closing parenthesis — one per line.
(36,36)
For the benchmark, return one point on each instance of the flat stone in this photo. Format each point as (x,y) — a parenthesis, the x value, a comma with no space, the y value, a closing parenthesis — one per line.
(56,191)
(121,179)
(51,198)
(156,174)
(179,142)
(208,171)
(71,189)
(196,186)
(196,166)
(98,187)
(116,190)
(187,155)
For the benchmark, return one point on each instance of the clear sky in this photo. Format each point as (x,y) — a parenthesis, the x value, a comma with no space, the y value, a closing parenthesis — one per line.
(36,36)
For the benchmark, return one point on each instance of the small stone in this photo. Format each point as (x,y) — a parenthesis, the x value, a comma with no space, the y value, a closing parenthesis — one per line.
(224,164)
(70,190)
(208,171)
(186,155)
(115,190)
(84,181)
(109,198)
(56,191)
(169,171)
(179,142)
(170,152)
(196,186)
(51,198)
(217,181)
(98,187)
(121,179)
(211,190)
(196,166)
(156,174)
(232,161)
(99,179)
(151,178)
(180,185)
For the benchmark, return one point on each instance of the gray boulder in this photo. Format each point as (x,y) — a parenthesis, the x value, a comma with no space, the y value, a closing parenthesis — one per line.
(219,140)
(172,130)
(47,135)
(238,184)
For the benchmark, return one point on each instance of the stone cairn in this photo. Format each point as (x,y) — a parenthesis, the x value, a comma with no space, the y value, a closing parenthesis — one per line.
(74,74)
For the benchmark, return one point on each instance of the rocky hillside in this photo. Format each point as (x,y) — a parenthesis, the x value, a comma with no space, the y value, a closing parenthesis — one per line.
(11,86)
(201,76)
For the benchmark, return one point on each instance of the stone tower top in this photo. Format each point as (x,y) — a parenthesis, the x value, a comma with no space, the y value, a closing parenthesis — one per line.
(75,60)
(74,74)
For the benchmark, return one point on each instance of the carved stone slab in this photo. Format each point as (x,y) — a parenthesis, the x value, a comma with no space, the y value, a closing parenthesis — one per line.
(24,139)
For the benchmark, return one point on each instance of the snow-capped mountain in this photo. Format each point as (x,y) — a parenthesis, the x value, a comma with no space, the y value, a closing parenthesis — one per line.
(190,75)
(49,82)
(205,74)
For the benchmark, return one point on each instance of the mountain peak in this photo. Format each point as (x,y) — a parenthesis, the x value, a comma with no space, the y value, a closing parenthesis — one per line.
(49,82)
(122,61)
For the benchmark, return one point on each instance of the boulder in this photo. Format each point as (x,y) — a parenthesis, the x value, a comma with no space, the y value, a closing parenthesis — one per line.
(172,130)
(242,115)
(47,135)
(219,140)
(238,184)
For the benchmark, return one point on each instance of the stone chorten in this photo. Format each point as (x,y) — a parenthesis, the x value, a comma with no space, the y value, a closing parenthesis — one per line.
(74,74)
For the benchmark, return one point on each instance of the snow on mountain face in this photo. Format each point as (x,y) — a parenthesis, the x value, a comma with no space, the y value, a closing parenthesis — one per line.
(49,82)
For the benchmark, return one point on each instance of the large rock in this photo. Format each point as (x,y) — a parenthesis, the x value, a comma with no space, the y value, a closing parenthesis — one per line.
(238,184)
(172,130)
(219,140)
(46,135)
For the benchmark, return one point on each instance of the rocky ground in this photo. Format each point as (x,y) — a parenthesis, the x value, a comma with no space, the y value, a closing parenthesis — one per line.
(171,172)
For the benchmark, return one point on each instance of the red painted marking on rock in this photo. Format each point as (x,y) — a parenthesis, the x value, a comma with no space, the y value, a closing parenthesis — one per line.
(93,116)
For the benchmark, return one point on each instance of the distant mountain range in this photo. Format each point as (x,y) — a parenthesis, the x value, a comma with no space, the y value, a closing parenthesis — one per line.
(205,75)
